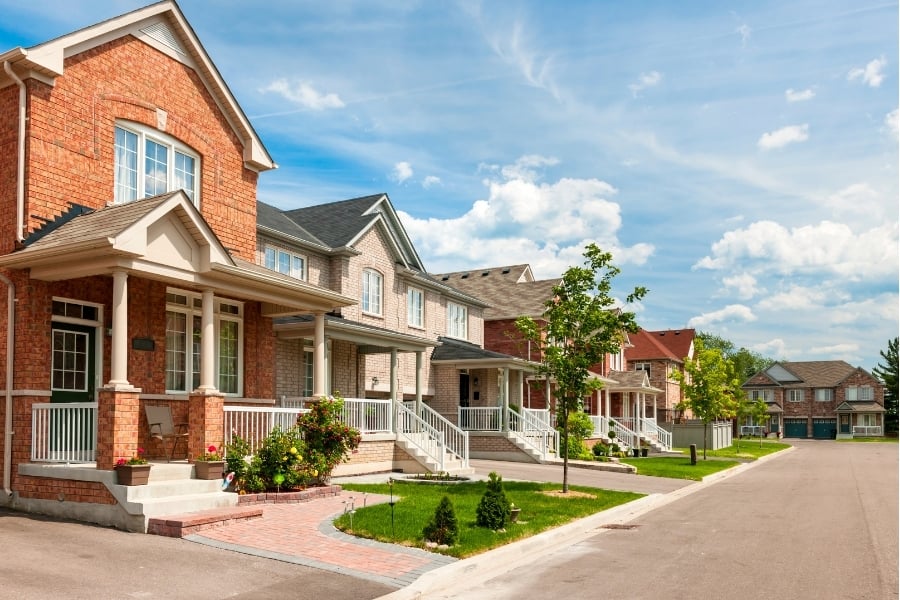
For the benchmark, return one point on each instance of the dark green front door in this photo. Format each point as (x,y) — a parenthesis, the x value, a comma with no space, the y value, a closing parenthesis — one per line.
(72,367)
(845,423)
(795,428)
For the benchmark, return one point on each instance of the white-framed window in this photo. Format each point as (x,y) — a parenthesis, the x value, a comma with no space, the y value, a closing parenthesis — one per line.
(183,330)
(866,420)
(149,162)
(824,395)
(415,307)
(371,291)
(308,368)
(643,366)
(764,395)
(457,321)
(796,395)
(284,262)
(859,392)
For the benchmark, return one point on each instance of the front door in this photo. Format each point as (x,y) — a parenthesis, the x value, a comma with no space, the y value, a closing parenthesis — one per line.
(72,370)
(464,400)
(845,423)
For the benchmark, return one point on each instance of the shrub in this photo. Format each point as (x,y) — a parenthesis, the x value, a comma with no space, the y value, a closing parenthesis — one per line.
(327,439)
(280,459)
(599,449)
(443,528)
(580,428)
(493,509)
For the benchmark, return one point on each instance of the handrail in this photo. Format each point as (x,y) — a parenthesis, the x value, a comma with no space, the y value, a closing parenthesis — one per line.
(533,432)
(456,439)
(64,432)
(662,436)
(409,424)
(254,423)
(628,436)
(480,418)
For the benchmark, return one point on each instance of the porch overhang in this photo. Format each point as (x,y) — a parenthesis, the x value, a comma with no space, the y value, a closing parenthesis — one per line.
(369,340)
(859,407)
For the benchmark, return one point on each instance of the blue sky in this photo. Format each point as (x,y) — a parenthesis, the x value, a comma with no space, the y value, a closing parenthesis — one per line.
(740,159)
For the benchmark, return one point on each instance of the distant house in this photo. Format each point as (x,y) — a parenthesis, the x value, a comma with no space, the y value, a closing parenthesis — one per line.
(819,399)
(659,354)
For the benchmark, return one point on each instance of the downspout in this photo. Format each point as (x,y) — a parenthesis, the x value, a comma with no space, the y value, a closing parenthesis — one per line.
(10,351)
(20,172)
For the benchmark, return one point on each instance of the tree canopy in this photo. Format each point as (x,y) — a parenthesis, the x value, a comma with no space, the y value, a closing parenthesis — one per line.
(886,371)
(747,363)
(579,326)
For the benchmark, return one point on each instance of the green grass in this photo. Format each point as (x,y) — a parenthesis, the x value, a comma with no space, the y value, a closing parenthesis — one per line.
(677,467)
(415,505)
(750,449)
(887,440)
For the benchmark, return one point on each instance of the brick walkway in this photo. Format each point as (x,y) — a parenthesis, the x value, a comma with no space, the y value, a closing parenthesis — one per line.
(303,534)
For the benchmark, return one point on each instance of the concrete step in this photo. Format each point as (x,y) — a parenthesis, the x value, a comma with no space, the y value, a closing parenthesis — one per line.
(172,488)
(185,524)
(162,471)
(188,503)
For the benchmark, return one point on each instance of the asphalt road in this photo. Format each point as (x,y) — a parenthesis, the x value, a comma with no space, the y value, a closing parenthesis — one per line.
(819,522)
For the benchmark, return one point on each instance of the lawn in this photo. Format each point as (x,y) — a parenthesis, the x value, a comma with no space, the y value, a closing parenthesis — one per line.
(887,440)
(543,507)
(678,467)
(750,449)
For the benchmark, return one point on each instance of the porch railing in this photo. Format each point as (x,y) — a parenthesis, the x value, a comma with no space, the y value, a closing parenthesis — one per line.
(867,430)
(756,430)
(652,431)
(534,430)
(601,425)
(64,432)
(456,440)
(481,418)
(368,416)
(255,423)
(625,435)
(420,434)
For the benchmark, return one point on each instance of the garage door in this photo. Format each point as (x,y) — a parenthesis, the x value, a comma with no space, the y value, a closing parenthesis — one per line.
(795,428)
(824,429)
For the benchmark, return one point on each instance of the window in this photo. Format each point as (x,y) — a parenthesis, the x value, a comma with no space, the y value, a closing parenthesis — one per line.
(415,308)
(824,395)
(642,366)
(308,367)
(183,319)
(866,420)
(795,395)
(70,361)
(371,292)
(764,395)
(285,262)
(457,321)
(862,392)
(149,162)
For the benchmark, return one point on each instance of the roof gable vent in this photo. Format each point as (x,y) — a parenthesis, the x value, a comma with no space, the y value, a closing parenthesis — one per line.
(162,34)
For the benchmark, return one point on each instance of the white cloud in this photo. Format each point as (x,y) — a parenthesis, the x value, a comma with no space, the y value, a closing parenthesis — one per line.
(514,47)
(305,95)
(784,136)
(893,123)
(544,224)
(826,248)
(796,298)
(743,284)
(402,171)
(774,347)
(430,181)
(871,74)
(644,81)
(858,205)
(732,312)
(835,349)
(799,96)
(744,31)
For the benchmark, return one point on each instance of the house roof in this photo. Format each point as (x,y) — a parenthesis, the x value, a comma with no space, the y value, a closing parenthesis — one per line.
(671,344)
(275,221)
(466,354)
(162,26)
(859,407)
(511,291)
(368,338)
(632,381)
(818,373)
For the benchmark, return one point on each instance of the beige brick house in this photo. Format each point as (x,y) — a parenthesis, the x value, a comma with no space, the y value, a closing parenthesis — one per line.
(819,399)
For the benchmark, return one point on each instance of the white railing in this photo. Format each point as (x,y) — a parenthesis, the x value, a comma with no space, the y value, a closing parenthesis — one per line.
(541,414)
(625,435)
(482,418)
(64,432)
(368,416)
(420,434)
(601,425)
(456,440)
(534,431)
(253,423)
(756,430)
(867,430)
(652,431)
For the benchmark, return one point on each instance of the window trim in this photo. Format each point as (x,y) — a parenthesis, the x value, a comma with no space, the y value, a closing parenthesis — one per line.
(794,392)
(455,321)
(643,366)
(277,251)
(869,395)
(415,311)
(829,394)
(766,395)
(174,147)
(365,302)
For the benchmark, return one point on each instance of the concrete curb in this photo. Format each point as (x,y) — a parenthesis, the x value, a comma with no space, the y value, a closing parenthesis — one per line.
(506,558)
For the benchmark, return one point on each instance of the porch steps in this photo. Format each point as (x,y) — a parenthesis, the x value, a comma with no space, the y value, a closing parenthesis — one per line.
(529,450)
(428,457)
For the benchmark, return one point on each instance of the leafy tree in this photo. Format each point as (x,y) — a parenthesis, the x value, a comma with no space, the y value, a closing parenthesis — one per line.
(759,410)
(747,363)
(443,527)
(580,428)
(579,326)
(493,508)
(710,386)
(887,373)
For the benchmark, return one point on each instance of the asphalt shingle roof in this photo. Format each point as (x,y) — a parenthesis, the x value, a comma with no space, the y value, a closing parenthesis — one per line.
(672,344)
(453,349)
(817,373)
(273,218)
(336,223)
(508,290)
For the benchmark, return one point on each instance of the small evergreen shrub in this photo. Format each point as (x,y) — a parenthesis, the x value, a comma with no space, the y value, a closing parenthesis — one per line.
(599,449)
(493,509)
(443,528)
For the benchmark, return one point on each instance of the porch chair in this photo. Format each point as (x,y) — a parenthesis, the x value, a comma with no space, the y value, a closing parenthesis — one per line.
(163,429)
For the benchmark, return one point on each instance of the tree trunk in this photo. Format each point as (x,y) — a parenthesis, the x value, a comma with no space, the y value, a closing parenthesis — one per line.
(705,434)
(565,448)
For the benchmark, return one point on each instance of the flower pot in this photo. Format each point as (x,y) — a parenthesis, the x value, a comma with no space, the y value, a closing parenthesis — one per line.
(209,469)
(133,474)
(514,514)
(645,452)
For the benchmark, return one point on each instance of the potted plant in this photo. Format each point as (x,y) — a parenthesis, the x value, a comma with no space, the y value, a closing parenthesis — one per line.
(209,465)
(514,513)
(134,470)
(645,449)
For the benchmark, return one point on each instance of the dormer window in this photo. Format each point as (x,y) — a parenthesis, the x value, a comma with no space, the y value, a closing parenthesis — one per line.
(149,162)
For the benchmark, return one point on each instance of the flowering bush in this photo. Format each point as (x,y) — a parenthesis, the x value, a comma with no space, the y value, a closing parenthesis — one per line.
(211,454)
(327,439)
(137,459)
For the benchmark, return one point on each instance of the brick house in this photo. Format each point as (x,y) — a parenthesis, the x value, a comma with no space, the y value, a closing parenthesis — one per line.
(659,354)
(819,399)
(129,255)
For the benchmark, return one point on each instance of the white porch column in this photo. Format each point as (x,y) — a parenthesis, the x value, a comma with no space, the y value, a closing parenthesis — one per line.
(319,356)
(547,393)
(521,389)
(207,342)
(504,397)
(394,374)
(419,382)
(608,410)
(118,372)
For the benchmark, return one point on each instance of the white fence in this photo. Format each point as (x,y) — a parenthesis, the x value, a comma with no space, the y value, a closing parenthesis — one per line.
(64,432)
(253,424)
(482,418)
(867,430)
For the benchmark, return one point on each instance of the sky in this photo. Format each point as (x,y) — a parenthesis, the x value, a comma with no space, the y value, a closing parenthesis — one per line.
(738,159)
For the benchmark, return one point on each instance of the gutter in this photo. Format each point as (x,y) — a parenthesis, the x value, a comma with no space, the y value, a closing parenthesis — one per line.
(20,171)
(10,351)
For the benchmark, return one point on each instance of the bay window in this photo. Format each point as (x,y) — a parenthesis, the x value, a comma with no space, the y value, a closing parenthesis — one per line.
(149,162)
